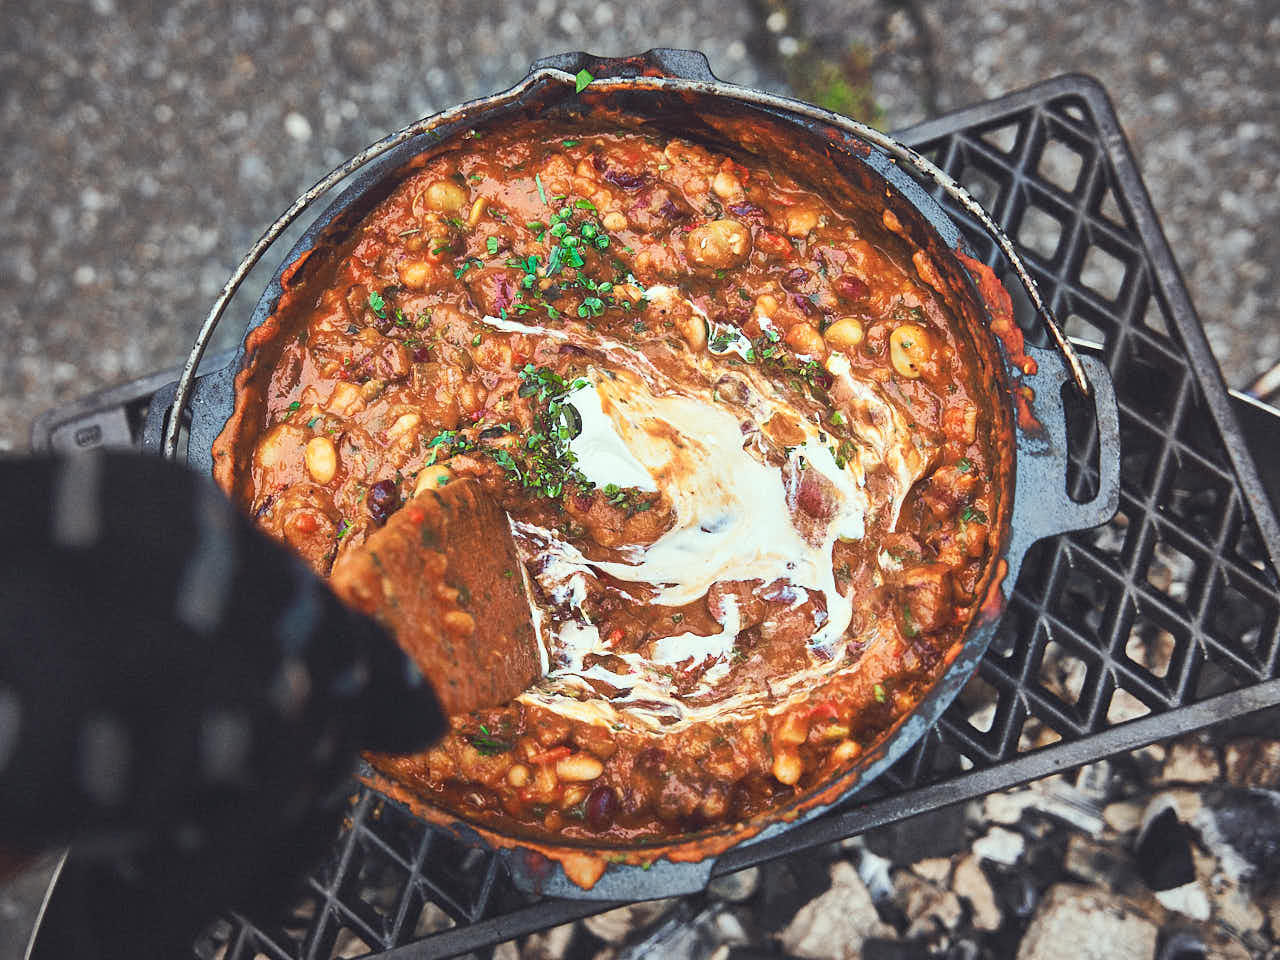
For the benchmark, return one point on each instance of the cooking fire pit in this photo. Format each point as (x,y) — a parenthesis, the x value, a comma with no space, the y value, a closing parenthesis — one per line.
(1167,619)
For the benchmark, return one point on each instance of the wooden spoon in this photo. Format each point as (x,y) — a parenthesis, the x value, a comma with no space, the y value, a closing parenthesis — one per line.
(444,578)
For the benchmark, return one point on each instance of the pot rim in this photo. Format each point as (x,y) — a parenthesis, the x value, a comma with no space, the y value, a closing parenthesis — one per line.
(962,659)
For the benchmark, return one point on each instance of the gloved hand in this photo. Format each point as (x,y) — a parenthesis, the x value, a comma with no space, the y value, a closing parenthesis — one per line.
(180,698)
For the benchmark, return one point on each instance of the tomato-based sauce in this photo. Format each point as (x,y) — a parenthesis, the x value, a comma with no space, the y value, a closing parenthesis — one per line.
(745,452)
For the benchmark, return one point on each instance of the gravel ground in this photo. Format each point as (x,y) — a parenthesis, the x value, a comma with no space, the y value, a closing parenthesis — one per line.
(147,145)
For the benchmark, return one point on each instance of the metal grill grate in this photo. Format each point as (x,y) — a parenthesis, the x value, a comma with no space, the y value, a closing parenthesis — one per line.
(1165,620)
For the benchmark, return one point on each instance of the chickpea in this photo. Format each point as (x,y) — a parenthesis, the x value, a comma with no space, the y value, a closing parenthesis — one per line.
(579,768)
(279,442)
(800,221)
(518,775)
(714,806)
(446,196)
(693,330)
(432,478)
(403,425)
(910,348)
(344,400)
(845,751)
(459,623)
(544,783)
(793,730)
(573,796)
(614,221)
(321,458)
(718,244)
(767,304)
(414,274)
(787,767)
(805,339)
(726,186)
(845,334)
(477,211)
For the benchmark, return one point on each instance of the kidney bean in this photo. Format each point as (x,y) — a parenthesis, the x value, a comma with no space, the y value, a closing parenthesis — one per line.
(794,277)
(625,179)
(803,304)
(602,807)
(747,210)
(382,499)
(850,287)
(422,354)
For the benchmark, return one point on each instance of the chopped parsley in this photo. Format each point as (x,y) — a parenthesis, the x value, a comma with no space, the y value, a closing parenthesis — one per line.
(492,244)
(591,307)
(548,463)
(475,341)
(908,622)
(964,464)
(570,143)
(537,178)
(880,695)
(294,406)
(377,304)
(971,515)
(486,744)
(582,80)
(467,265)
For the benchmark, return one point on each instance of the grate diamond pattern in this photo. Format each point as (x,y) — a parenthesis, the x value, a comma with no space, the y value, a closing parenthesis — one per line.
(1172,602)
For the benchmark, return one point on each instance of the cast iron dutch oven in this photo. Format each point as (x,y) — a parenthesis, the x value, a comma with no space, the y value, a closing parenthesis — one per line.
(675,92)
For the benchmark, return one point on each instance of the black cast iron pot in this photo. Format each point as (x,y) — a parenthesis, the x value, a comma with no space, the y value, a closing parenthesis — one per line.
(675,91)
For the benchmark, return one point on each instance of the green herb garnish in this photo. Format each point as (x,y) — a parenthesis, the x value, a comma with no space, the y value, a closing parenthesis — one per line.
(486,744)
(582,80)
(377,304)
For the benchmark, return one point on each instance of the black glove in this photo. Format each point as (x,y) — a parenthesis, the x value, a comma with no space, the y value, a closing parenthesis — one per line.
(180,698)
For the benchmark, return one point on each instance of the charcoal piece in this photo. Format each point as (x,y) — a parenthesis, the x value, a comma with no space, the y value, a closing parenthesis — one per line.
(787,885)
(1182,945)
(963,950)
(939,833)
(1163,852)
(1016,891)
(879,948)
(1243,825)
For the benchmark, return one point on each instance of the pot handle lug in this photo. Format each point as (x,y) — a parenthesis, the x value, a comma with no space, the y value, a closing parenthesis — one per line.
(658,62)
(1042,506)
